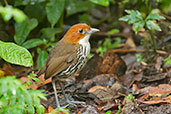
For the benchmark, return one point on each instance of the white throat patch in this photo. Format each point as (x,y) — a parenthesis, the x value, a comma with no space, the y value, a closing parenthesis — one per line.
(85,43)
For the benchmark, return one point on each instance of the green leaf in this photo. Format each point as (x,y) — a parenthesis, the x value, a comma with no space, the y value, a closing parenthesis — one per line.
(50,33)
(73,6)
(8,12)
(115,44)
(154,17)
(138,25)
(39,13)
(101,2)
(108,112)
(54,10)
(15,54)
(132,17)
(40,109)
(32,43)
(130,97)
(167,61)
(23,29)
(41,60)
(17,99)
(151,25)
(113,31)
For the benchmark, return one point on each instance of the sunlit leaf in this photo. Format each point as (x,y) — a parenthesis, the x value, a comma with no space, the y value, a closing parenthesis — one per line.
(8,12)
(154,17)
(15,54)
(101,2)
(151,25)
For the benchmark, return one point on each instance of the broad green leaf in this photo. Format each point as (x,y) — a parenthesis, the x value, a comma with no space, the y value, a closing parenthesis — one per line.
(101,2)
(154,17)
(54,10)
(39,13)
(151,25)
(15,54)
(50,33)
(73,6)
(32,43)
(23,29)
(41,60)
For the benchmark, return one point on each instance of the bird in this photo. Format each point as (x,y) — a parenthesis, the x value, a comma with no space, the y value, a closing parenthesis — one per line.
(69,55)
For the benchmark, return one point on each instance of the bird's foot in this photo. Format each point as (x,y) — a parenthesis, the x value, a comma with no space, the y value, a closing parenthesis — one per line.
(74,103)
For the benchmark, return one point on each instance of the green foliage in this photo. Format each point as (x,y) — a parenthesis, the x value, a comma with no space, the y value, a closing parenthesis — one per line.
(113,31)
(108,45)
(119,107)
(49,33)
(41,60)
(130,97)
(101,2)
(17,99)
(108,112)
(32,43)
(139,58)
(63,110)
(23,29)
(73,6)
(54,10)
(135,18)
(15,54)
(32,76)
(8,12)
(167,61)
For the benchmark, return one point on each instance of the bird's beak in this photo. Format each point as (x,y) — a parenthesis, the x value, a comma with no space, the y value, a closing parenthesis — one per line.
(93,30)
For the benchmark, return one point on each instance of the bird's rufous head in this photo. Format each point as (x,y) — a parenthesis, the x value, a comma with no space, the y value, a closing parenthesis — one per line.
(79,32)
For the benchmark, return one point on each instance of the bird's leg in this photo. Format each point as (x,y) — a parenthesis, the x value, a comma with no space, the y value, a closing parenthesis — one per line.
(56,96)
(67,99)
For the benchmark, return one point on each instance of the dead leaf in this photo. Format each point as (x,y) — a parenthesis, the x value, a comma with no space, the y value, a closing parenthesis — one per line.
(156,95)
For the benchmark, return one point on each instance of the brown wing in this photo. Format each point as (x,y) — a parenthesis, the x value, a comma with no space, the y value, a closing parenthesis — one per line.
(59,59)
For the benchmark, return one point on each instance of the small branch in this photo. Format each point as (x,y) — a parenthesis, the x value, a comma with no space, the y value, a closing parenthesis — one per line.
(133,51)
(6,3)
(112,35)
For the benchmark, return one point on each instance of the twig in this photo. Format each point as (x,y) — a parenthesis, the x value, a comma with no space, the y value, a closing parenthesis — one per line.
(166,16)
(112,35)
(6,3)
(134,51)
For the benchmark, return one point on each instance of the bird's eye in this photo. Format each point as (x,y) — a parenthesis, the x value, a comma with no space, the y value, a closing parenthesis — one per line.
(81,31)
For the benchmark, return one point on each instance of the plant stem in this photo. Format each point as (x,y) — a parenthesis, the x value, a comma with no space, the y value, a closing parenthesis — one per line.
(153,40)
(6,3)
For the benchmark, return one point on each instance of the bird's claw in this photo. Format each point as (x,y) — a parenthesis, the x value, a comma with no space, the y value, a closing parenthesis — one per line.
(73,103)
